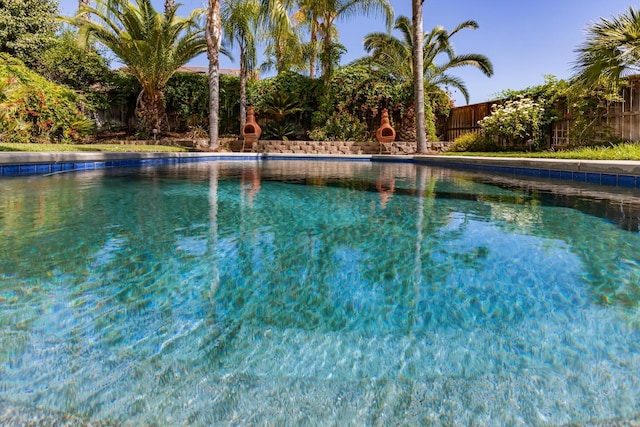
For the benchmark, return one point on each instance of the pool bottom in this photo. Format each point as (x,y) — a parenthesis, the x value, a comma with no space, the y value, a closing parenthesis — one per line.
(297,377)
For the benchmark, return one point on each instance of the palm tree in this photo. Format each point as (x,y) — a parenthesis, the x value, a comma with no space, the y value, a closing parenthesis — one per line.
(169,4)
(151,45)
(214,38)
(395,56)
(611,51)
(319,17)
(284,50)
(82,4)
(239,23)
(307,17)
(418,77)
(330,11)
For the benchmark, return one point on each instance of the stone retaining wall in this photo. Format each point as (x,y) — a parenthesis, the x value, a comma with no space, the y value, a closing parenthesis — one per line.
(324,147)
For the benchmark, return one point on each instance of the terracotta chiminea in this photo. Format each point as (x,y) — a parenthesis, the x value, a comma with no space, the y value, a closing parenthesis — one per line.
(385,132)
(251,131)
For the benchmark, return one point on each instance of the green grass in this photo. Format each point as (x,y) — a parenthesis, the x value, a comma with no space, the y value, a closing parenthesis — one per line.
(106,148)
(626,151)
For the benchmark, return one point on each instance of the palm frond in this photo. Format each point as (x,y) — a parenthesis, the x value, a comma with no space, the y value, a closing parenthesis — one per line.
(611,50)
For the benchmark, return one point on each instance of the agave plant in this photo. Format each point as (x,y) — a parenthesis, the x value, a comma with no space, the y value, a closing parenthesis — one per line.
(280,105)
(282,130)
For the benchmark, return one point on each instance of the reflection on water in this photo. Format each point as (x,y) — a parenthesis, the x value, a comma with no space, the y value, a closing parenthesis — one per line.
(317,293)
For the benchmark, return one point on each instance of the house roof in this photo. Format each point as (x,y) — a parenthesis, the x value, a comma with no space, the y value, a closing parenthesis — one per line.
(205,70)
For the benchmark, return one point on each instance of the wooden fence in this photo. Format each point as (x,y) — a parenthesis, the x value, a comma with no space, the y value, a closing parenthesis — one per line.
(622,120)
(465,119)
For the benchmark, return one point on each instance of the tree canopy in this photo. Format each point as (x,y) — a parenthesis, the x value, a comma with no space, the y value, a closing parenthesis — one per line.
(27,27)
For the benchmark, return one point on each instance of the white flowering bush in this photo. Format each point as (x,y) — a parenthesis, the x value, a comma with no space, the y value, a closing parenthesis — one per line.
(517,121)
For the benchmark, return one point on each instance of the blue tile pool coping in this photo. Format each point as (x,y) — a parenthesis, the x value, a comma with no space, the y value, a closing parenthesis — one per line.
(599,172)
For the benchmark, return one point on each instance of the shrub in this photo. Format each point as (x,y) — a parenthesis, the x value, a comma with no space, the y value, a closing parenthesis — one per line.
(340,126)
(474,142)
(517,122)
(187,102)
(363,93)
(33,109)
(273,94)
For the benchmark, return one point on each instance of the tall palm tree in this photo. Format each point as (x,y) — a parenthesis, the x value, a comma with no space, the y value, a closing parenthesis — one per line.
(284,49)
(395,56)
(307,17)
(169,4)
(82,4)
(320,17)
(239,23)
(611,51)
(330,11)
(213,35)
(418,77)
(151,45)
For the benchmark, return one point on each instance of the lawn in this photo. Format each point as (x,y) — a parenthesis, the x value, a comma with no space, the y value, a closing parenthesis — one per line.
(107,148)
(626,151)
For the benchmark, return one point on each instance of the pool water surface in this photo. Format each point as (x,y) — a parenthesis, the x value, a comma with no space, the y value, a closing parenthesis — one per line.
(318,293)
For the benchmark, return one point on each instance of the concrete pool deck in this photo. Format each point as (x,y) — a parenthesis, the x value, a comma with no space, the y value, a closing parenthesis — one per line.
(624,173)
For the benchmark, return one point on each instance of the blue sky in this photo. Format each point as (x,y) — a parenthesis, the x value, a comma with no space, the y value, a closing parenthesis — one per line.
(524,39)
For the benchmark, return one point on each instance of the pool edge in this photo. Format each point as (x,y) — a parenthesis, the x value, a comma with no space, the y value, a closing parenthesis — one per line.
(624,173)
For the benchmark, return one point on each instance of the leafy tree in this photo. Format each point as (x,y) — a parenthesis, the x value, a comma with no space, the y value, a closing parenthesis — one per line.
(401,57)
(610,52)
(239,22)
(27,27)
(187,100)
(73,63)
(80,66)
(152,45)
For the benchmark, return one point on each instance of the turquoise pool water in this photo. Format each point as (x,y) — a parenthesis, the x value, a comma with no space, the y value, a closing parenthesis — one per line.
(318,293)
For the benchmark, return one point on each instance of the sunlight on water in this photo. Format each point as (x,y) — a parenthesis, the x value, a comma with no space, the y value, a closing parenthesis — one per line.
(317,293)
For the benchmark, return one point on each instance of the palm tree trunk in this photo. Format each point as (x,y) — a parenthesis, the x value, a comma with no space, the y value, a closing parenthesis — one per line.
(82,3)
(314,52)
(213,34)
(150,112)
(418,76)
(326,55)
(168,4)
(243,91)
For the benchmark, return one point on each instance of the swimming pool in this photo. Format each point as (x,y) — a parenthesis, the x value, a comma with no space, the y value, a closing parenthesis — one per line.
(318,293)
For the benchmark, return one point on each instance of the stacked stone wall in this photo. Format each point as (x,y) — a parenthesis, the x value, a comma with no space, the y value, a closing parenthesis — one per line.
(324,147)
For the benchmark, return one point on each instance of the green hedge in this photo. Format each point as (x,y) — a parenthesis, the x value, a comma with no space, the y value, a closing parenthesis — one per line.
(32,109)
